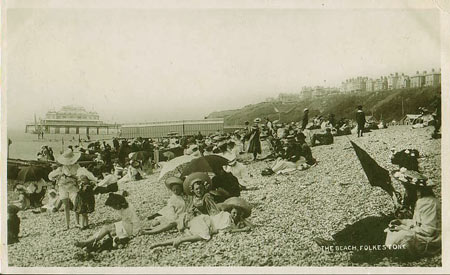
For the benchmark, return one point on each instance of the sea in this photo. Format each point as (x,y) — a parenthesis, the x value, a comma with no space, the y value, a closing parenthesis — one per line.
(25,146)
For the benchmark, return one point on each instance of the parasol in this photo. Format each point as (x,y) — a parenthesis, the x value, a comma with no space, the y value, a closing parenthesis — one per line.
(377,175)
(174,164)
(210,163)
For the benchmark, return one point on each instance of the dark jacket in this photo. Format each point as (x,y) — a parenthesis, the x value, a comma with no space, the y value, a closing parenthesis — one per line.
(293,152)
(254,142)
(305,121)
(360,118)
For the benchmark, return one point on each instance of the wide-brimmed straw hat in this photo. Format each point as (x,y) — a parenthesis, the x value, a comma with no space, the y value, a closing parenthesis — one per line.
(193,178)
(257,120)
(173,181)
(69,157)
(413,177)
(230,157)
(193,148)
(235,202)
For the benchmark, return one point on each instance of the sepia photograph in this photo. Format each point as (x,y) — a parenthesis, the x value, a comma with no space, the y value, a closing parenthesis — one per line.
(282,135)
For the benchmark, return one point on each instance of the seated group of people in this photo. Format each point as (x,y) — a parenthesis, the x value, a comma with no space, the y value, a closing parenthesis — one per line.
(292,153)
(199,207)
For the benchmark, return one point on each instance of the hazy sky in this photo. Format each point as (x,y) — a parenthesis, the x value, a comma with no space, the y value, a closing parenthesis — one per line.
(137,65)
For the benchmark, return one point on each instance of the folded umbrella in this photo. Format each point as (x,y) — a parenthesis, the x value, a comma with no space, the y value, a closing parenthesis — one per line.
(175,163)
(210,163)
(377,175)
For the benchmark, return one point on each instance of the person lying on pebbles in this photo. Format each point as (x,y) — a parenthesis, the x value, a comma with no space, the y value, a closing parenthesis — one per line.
(231,219)
(127,227)
(166,218)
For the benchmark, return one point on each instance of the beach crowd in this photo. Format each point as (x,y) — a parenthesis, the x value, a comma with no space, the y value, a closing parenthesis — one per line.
(206,175)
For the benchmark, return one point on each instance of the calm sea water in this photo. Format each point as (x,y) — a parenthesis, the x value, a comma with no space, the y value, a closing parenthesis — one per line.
(26,146)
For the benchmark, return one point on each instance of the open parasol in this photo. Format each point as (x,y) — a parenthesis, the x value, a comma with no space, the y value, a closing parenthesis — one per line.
(377,175)
(173,164)
(210,163)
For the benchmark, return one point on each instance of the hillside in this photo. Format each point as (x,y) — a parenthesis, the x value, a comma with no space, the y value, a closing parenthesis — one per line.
(383,104)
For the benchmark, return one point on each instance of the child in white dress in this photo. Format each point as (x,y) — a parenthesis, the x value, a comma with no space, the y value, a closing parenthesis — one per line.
(170,213)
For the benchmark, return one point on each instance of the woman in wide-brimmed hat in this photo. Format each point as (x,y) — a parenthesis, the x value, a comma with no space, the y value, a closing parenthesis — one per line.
(254,142)
(134,172)
(166,218)
(66,177)
(202,227)
(421,234)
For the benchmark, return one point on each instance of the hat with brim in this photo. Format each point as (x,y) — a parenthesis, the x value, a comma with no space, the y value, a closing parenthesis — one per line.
(193,178)
(134,163)
(230,157)
(171,181)
(115,199)
(257,120)
(413,177)
(69,157)
(235,202)
(192,149)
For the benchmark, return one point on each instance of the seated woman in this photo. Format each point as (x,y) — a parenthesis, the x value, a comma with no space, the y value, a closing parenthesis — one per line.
(166,218)
(289,161)
(420,235)
(108,184)
(23,201)
(134,173)
(231,219)
(322,139)
(36,191)
(127,227)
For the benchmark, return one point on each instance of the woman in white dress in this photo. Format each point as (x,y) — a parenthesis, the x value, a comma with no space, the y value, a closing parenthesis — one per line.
(420,235)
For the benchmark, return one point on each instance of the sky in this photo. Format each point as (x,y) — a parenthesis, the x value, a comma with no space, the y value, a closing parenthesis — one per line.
(141,65)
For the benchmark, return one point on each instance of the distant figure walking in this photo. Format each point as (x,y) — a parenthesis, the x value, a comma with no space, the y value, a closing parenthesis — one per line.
(305,118)
(254,143)
(360,120)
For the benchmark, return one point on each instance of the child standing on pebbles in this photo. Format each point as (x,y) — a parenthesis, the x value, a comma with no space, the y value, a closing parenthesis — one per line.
(85,201)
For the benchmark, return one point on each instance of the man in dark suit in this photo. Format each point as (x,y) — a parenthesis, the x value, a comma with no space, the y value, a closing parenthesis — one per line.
(360,120)
(305,118)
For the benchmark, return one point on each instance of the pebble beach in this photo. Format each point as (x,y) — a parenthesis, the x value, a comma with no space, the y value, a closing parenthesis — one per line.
(289,211)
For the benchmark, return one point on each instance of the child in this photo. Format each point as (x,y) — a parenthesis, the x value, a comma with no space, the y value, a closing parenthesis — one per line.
(13,224)
(168,215)
(24,200)
(85,201)
(126,228)
(53,203)
(202,227)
